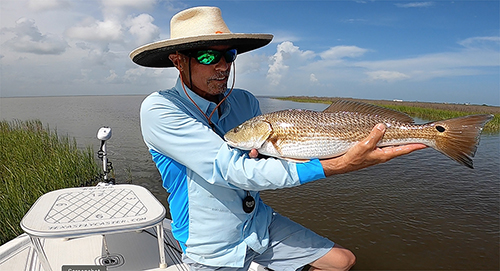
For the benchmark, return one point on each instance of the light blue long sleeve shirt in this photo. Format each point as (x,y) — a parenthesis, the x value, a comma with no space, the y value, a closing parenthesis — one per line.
(208,180)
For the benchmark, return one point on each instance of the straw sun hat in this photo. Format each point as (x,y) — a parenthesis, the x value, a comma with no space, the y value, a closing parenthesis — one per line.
(195,28)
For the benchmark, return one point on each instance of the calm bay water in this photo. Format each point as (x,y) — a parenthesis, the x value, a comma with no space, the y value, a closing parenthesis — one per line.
(419,212)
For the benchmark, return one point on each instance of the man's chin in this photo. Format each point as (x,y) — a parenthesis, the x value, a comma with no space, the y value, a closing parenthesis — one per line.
(219,88)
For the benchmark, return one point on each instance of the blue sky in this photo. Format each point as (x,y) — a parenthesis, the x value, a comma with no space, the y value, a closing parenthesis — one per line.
(435,51)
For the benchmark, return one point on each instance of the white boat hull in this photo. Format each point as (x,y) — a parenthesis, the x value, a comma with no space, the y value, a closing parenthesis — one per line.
(137,250)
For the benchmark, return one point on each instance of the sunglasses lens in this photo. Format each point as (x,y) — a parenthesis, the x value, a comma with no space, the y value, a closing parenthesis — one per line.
(208,57)
(230,55)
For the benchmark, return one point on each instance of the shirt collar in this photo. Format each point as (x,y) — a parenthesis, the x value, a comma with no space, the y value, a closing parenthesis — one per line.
(202,103)
(205,105)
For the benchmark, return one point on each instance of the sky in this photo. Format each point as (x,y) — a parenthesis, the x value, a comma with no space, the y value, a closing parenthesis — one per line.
(431,51)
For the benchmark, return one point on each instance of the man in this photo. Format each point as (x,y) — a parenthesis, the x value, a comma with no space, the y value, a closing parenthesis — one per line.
(218,217)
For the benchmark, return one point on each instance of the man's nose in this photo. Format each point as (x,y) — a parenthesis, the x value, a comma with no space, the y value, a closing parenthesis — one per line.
(222,65)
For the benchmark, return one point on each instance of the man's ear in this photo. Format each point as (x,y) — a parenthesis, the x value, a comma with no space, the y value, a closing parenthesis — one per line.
(176,60)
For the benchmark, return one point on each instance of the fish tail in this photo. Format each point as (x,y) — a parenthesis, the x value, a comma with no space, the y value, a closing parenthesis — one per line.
(458,138)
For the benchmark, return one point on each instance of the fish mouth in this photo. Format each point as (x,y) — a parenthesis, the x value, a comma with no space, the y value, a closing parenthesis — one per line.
(236,145)
(231,143)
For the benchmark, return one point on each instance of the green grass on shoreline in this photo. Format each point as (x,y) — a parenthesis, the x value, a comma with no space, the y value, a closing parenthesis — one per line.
(425,113)
(34,161)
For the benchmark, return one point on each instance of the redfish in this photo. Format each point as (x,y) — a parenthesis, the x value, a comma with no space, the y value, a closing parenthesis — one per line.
(304,134)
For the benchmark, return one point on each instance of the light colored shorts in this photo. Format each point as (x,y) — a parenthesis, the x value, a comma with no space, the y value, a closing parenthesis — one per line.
(292,246)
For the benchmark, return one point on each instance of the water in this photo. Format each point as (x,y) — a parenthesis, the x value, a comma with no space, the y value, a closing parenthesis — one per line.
(419,212)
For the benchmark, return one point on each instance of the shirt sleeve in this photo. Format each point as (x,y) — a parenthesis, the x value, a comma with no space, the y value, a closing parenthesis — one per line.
(310,171)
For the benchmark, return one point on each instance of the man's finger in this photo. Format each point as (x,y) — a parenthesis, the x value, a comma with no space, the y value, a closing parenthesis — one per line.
(375,136)
(403,149)
(253,153)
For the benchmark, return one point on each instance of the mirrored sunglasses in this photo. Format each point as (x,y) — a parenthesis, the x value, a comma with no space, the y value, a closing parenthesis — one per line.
(209,57)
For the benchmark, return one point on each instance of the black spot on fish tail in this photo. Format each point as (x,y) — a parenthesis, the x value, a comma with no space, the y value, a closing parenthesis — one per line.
(461,136)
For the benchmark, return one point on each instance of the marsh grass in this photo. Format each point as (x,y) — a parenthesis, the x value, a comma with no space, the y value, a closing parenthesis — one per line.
(34,161)
(424,111)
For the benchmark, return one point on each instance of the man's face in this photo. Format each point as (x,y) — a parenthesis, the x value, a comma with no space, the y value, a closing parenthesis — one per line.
(208,80)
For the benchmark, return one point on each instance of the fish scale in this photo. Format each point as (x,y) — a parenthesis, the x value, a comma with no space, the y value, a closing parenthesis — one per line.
(304,134)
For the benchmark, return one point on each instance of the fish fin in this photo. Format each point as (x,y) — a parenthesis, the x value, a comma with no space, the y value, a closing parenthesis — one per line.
(458,138)
(266,128)
(364,108)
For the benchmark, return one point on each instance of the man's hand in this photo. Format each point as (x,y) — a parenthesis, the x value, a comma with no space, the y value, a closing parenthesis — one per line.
(366,153)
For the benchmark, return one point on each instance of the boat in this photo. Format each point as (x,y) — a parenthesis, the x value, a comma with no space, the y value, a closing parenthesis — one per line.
(106,227)
(135,250)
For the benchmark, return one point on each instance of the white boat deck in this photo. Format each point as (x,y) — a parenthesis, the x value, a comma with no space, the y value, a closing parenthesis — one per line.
(115,226)
(88,211)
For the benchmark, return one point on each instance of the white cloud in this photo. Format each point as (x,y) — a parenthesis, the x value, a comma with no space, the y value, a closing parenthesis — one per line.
(467,61)
(99,56)
(339,52)
(43,5)
(388,76)
(493,42)
(117,9)
(94,30)
(415,5)
(112,78)
(92,40)
(112,37)
(251,63)
(354,20)
(140,76)
(347,72)
(83,47)
(281,36)
(313,78)
(143,29)
(28,38)
(286,52)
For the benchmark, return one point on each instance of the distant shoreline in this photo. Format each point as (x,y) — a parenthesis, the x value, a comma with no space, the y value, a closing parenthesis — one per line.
(326,100)
(440,106)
